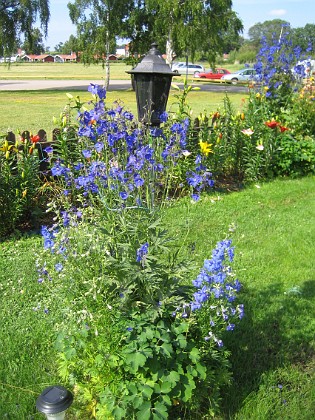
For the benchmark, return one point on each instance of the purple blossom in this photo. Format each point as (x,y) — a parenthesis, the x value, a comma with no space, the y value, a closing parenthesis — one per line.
(123,195)
(58,267)
(86,153)
(142,252)
(99,146)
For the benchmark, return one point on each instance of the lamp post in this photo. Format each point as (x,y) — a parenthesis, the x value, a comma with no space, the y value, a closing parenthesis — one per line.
(152,79)
(54,401)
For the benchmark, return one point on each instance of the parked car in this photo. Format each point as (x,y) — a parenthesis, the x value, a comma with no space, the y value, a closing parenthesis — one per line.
(183,68)
(176,66)
(213,74)
(240,76)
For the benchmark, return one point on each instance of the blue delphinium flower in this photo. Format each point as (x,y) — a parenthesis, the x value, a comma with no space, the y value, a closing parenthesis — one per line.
(123,195)
(86,153)
(48,149)
(58,267)
(142,252)
(215,283)
(163,116)
(49,236)
(97,90)
(99,146)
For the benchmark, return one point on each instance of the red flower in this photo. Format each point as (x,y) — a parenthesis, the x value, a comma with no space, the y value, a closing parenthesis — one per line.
(272,124)
(282,129)
(215,116)
(35,139)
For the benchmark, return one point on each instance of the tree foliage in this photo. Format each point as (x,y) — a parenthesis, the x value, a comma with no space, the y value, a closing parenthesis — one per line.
(36,46)
(18,18)
(305,37)
(187,27)
(267,30)
(71,45)
(99,23)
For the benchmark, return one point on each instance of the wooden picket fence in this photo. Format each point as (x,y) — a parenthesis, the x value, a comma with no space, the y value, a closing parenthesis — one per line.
(40,146)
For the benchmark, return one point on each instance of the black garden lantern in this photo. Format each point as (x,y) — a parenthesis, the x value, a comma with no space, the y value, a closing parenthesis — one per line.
(152,79)
(54,401)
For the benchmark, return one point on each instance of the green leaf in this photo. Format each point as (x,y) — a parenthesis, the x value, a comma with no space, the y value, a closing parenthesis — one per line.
(189,386)
(137,402)
(167,400)
(182,341)
(145,411)
(194,355)
(132,388)
(99,359)
(173,377)
(160,411)
(135,360)
(149,333)
(70,353)
(201,370)
(157,388)
(167,349)
(182,327)
(119,413)
(166,387)
(192,371)
(147,391)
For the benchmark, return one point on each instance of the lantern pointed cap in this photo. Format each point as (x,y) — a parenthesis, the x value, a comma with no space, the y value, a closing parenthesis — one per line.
(153,62)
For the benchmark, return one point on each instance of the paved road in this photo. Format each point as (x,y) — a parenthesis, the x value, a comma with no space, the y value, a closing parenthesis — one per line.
(59,84)
(68,85)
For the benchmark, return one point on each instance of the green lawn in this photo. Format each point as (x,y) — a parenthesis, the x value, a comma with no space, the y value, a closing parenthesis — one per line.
(273,364)
(69,71)
(17,106)
(44,105)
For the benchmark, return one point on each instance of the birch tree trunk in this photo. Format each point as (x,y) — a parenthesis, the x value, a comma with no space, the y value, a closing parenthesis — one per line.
(107,66)
(169,50)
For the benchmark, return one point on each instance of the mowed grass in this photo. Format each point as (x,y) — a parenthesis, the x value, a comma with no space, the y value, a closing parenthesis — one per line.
(62,71)
(34,110)
(273,348)
(71,71)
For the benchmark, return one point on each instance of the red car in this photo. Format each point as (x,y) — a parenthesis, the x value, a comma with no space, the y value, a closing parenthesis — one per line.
(213,74)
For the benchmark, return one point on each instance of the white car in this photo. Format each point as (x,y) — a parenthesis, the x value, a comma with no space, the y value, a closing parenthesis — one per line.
(240,76)
(183,68)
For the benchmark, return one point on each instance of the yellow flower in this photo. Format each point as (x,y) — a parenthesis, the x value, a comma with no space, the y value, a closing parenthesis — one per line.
(6,148)
(205,147)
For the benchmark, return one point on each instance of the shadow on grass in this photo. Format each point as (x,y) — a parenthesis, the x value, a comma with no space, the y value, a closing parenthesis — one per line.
(278,330)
